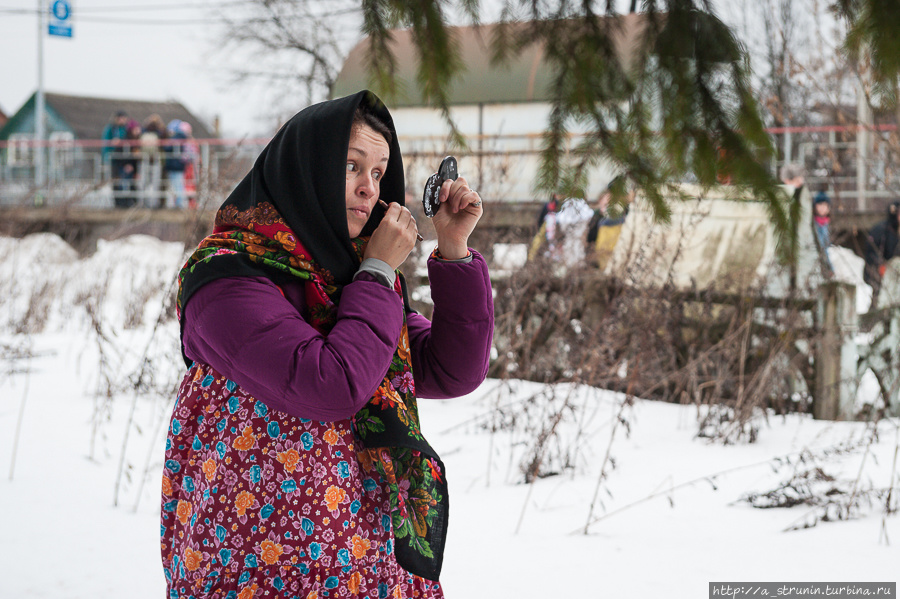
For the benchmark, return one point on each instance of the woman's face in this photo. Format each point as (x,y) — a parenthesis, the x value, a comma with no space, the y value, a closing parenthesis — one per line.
(367,159)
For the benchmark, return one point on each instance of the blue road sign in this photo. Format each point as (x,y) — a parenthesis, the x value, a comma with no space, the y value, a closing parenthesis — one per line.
(60,18)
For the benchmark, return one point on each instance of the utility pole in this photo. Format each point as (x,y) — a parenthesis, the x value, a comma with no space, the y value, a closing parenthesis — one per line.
(39,133)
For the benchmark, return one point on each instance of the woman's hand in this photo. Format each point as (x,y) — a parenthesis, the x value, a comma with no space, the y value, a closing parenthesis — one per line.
(456,219)
(394,238)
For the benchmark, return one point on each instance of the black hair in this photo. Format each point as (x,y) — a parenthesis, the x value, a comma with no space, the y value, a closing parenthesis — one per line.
(362,116)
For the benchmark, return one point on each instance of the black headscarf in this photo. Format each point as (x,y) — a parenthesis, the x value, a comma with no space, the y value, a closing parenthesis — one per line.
(302,173)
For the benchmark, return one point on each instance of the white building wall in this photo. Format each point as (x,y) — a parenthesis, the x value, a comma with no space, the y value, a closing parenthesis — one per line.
(505,164)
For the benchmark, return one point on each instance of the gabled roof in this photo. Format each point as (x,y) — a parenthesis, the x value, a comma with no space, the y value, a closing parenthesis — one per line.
(524,78)
(87,116)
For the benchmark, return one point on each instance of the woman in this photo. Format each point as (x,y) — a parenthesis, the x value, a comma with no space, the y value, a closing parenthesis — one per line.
(295,465)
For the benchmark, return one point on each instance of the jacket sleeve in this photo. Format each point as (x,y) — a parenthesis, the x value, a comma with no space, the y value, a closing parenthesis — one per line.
(451,353)
(246,329)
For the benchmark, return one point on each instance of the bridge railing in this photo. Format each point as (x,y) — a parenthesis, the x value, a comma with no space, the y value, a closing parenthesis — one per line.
(852,164)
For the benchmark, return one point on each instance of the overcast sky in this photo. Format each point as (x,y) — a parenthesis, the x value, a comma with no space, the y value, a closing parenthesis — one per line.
(159,50)
(142,49)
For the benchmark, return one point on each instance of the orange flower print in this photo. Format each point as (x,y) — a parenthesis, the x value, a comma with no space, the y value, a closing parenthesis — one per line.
(183,511)
(270,552)
(209,469)
(403,347)
(312,595)
(192,559)
(360,546)
(354,583)
(333,497)
(245,441)
(243,502)
(255,249)
(290,459)
(166,486)
(331,437)
(248,592)
(286,239)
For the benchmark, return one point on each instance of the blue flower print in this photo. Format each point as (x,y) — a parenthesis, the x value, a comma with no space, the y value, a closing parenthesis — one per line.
(226,556)
(343,557)
(266,511)
(278,583)
(315,550)
(233,404)
(207,381)
(245,576)
(343,469)
(220,533)
(307,526)
(369,484)
(250,561)
(304,569)
(260,409)
(173,466)
(188,484)
(289,485)
(382,590)
(355,506)
(176,426)
(221,425)
(307,440)
(221,448)
(230,385)
(386,522)
(255,474)
(196,445)
(331,582)
(273,429)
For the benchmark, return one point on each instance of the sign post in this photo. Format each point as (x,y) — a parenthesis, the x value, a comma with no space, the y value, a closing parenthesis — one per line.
(60,18)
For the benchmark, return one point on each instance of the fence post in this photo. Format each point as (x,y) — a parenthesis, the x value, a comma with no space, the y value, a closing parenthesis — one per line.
(835,353)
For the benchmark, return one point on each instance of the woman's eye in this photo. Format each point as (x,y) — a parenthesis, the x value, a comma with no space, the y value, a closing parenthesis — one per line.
(351,167)
(377,175)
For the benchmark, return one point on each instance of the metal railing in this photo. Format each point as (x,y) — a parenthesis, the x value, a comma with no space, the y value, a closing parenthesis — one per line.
(502,167)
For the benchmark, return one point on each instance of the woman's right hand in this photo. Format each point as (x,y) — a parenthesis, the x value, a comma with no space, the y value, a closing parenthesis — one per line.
(394,238)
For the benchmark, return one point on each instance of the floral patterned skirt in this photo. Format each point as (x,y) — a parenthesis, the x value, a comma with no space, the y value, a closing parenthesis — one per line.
(257,503)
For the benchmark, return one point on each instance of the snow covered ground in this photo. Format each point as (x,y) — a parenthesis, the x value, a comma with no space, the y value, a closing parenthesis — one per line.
(82,444)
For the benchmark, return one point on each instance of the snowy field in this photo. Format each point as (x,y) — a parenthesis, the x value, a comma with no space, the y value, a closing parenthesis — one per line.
(82,423)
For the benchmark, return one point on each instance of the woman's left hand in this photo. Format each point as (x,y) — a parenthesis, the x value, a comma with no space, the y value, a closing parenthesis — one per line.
(460,211)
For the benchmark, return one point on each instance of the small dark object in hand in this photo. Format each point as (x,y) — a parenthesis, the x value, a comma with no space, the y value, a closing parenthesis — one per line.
(447,171)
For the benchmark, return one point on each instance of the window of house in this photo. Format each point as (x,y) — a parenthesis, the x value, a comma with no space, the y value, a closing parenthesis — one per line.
(20,151)
(62,149)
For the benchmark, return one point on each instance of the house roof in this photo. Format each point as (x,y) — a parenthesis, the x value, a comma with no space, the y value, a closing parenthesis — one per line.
(87,116)
(525,77)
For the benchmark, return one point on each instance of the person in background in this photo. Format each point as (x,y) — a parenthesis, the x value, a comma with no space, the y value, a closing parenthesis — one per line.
(571,225)
(176,162)
(881,246)
(604,229)
(295,462)
(113,151)
(544,242)
(126,188)
(191,158)
(821,221)
(151,164)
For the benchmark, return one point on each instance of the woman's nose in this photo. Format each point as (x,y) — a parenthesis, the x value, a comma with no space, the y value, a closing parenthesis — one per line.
(366,186)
